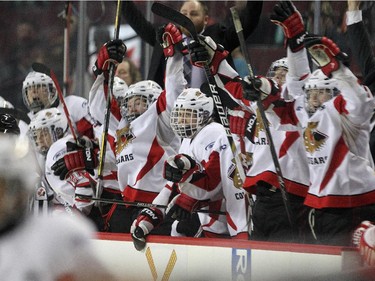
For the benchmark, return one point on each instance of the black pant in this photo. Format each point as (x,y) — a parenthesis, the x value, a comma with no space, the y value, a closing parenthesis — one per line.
(334,226)
(270,219)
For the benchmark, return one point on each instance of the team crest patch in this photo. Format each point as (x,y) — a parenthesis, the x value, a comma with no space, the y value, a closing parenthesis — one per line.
(124,136)
(313,139)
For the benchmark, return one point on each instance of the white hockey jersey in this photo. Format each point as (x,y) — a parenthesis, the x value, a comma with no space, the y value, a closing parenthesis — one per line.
(145,143)
(336,141)
(217,182)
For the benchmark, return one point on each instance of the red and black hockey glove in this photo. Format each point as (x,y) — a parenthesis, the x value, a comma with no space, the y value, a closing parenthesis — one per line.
(325,54)
(182,206)
(260,88)
(147,220)
(179,168)
(170,38)
(81,156)
(206,51)
(288,17)
(111,52)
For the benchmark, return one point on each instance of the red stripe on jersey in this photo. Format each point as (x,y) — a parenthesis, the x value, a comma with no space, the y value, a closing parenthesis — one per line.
(286,113)
(161,103)
(115,109)
(272,178)
(84,128)
(339,153)
(340,104)
(155,154)
(340,201)
(136,195)
(290,138)
(112,143)
(211,177)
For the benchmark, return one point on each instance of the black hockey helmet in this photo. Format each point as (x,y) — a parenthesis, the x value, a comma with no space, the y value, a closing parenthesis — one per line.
(8,124)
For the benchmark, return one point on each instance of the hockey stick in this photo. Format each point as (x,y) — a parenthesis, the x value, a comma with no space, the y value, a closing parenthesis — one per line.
(239,30)
(180,19)
(103,148)
(39,67)
(67,19)
(139,204)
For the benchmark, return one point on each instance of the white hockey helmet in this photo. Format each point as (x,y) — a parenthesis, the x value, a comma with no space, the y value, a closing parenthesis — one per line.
(191,111)
(17,178)
(138,98)
(38,91)
(319,89)
(5,104)
(278,70)
(46,127)
(280,63)
(119,89)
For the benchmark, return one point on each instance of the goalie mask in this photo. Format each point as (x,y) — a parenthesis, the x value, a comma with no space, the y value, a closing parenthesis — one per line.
(278,70)
(46,127)
(138,98)
(119,89)
(319,89)
(191,112)
(38,91)
(17,179)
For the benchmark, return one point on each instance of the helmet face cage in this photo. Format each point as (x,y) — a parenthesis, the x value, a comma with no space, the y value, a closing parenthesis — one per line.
(192,110)
(47,127)
(318,89)
(38,91)
(138,98)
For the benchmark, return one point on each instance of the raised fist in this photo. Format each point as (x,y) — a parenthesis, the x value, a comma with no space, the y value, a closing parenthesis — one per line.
(111,52)
(287,16)
(170,38)
(325,53)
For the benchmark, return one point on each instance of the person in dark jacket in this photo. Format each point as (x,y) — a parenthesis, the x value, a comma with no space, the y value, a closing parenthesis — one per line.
(197,11)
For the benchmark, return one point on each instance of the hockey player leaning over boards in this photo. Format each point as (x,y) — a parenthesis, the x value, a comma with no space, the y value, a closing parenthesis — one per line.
(64,244)
(50,136)
(336,133)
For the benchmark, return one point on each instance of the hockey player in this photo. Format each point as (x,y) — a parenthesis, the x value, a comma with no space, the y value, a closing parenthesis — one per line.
(204,169)
(53,248)
(39,92)
(262,178)
(336,133)
(112,214)
(49,132)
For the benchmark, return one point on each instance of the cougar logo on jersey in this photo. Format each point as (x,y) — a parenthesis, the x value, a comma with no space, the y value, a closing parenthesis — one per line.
(124,136)
(314,140)
(234,175)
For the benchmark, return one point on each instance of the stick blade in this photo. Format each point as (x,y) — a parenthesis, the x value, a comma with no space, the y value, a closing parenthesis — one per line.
(40,67)
(174,16)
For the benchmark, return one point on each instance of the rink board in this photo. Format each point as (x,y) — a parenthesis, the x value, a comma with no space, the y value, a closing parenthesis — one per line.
(174,258)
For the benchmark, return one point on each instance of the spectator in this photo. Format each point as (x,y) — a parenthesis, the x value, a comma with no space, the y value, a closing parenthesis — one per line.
(197,11)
